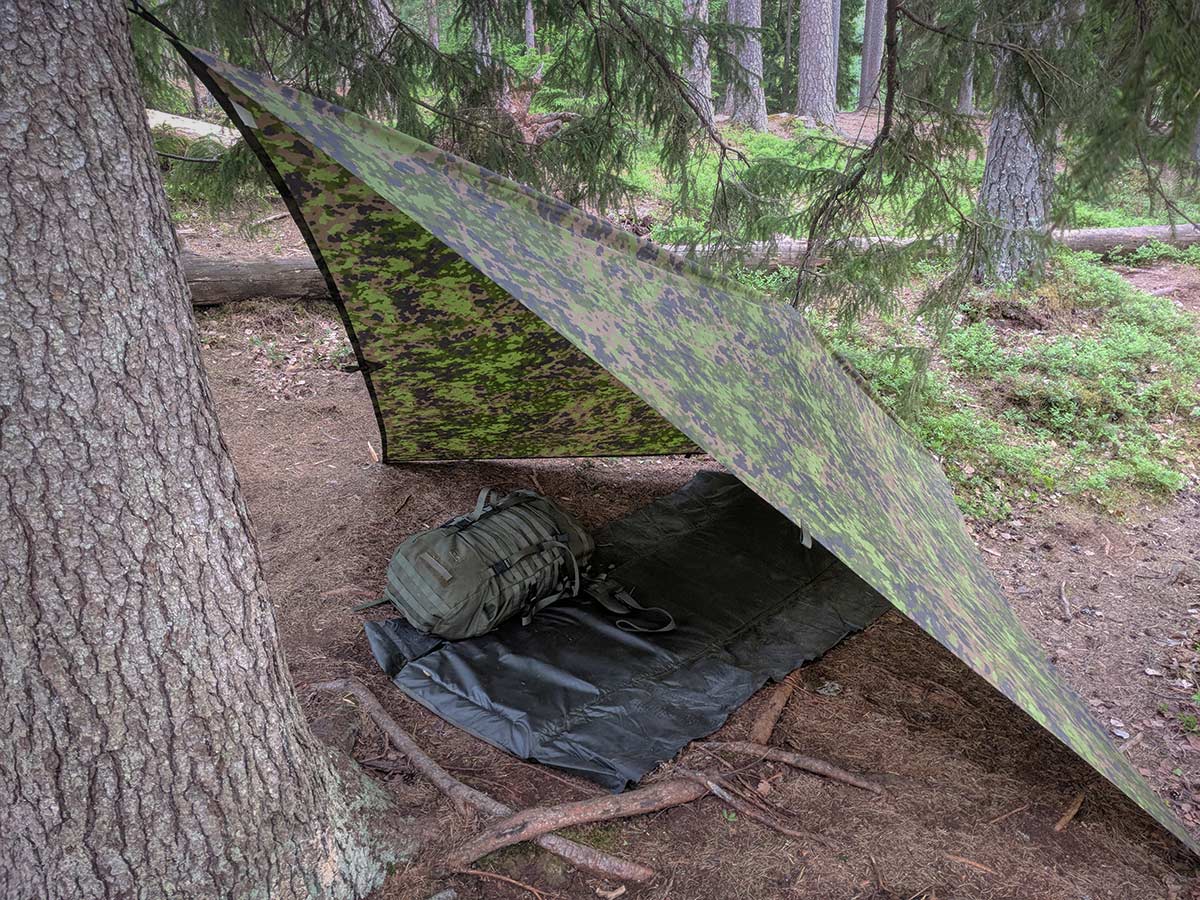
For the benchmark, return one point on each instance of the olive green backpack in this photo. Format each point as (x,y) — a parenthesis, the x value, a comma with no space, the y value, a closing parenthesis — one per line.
(509,556)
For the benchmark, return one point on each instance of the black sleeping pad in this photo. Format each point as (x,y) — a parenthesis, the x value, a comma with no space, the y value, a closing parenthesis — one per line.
(572,690)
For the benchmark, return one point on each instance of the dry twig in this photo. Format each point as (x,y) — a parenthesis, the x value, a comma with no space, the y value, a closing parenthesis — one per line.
(464,796)
(970,862)
(721,792)
(796,760)
(527,887)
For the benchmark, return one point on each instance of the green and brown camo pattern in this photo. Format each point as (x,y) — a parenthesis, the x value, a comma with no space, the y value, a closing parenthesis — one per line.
(744,378)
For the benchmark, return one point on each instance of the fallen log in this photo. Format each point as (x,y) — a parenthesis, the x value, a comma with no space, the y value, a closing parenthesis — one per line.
(192,128)
(214,281)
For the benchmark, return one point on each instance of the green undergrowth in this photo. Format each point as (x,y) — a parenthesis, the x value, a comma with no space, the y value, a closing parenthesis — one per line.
(1157,251)
(1083,387)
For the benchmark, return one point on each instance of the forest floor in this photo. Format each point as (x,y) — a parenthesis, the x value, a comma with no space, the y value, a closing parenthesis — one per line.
(975,786)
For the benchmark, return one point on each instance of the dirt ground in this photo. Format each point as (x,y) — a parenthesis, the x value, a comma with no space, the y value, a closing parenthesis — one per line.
(974,786)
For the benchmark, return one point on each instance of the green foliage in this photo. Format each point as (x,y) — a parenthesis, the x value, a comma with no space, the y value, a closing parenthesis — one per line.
(1156,251)
(210,174)
(1107,412)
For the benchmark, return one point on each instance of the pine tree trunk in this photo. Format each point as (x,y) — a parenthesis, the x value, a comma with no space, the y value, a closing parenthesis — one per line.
(966,87)
(816,83)
(492,77)
(872,53)
(433,28)
(150,741)
(1018,180)
(747,103)
(1196,142)
(837,46)
(530,31)
(697,71)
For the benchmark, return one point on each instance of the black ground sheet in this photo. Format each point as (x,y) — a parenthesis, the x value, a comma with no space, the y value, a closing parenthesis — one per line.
(572,690)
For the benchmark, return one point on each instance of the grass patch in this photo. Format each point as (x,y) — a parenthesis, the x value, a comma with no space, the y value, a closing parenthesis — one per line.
(1109,411)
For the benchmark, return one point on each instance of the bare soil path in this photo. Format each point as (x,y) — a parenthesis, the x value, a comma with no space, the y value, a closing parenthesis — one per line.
(975,786)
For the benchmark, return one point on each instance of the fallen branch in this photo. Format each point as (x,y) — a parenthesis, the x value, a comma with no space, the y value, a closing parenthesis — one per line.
(768,717)
(215,281)
(529,824)
(720,791)
(463,796)
(796,760)
(1070,812)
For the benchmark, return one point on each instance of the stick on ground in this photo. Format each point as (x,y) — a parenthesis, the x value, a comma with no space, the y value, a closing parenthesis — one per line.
(768,717)
(722,792)
(529,824)
(796,760)
(1072,809)
(463,796)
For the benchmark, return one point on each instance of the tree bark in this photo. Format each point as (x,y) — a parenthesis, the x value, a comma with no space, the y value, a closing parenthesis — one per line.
(966,87)
(150,741)
(816,70)
(697,70)
(433,28)
(1018,181)
(530,30)
(837,46)
(747,102)
(872,53)
(214,281)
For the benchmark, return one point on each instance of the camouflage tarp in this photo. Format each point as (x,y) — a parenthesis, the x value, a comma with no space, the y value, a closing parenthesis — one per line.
(427,253)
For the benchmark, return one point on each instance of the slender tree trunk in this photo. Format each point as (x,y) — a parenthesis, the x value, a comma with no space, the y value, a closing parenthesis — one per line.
(433,28)
(872,53)
(1018,181)
(530,31)
(1196,142)
(697,70)
(150,741)
(837,46)
(747,103)
(495,84)
(787,30)
(966,87)
(816,83)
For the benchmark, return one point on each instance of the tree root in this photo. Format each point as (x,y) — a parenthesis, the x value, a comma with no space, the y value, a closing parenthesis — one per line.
(530,823)
(464,797)
(796,760)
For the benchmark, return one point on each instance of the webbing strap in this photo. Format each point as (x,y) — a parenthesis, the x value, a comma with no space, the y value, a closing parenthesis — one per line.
(619,601)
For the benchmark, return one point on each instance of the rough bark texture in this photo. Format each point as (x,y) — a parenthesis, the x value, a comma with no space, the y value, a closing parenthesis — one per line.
(816,82)
(530,30)
(747,104)
(150,742)
(966,87)
(837,44)
(697,70)
(433,29)
(1018,180)
(214,281)
(872,53)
